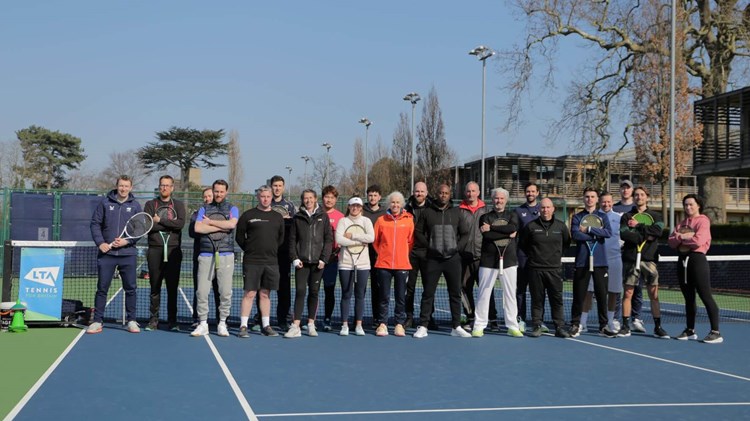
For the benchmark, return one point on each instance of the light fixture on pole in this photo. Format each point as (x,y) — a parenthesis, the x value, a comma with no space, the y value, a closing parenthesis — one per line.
(328,161)
(412,97)
(482,53)
(304,179)
(367,124)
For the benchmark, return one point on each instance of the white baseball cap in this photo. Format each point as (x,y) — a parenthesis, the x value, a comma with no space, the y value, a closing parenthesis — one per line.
(355,201)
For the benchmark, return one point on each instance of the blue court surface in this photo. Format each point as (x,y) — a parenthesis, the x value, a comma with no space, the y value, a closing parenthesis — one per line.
(169,375)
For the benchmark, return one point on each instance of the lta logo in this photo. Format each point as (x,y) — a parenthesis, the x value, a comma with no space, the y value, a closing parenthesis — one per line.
(45,276)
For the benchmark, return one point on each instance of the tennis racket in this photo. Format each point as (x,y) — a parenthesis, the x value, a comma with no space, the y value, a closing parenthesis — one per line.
(281,210)
(166,213)
(642,219)
(501,244)
(685,249)
(137,226)
(355,250)
(592,221)
(216,237)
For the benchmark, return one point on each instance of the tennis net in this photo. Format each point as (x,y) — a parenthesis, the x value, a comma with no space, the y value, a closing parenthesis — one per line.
(729,280)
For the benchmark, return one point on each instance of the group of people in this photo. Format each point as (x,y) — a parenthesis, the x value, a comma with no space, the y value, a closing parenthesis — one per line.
(469,245)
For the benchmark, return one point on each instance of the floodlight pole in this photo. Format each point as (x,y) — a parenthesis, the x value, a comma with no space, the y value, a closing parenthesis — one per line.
(482,53)
(412,97)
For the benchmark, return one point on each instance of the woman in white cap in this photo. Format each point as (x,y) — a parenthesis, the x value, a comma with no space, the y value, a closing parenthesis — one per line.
(353,234)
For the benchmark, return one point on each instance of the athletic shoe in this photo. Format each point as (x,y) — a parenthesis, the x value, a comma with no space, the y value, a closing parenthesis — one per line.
(382,330)
(359,331)
(195,324)
(399,331)
(304,327)
(243,333)
(713,337)
(537,332)
(421,332)
(133,327)
(687,334)
(616,325)
(515,333)
(256,327)
(222,330)
(409,322)
(575,331)
(174,327)
(638,326)
(605,332)
(494,326)
(624,332)
(293,332)
(561,332)
(583,328)
(660,333)
(521,325)
(327,325)
(311,331)
(460,332)
(95,327)
(477,333)
(268,331)
(152,325)
(544,328)
(200,330)
(344,330)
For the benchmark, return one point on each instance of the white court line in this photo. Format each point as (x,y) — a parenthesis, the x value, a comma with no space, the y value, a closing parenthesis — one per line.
(228,374)
(27,397)
(505,409)
(695,367)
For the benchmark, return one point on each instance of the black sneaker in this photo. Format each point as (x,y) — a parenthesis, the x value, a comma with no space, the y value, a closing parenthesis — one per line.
(574,332)
(409,322)
(327,327)
(605,332)
(174,327)
(494,326)
(537,332)
(624,332)
(243,333)
(152,325)
(687,334)
(561,332)
(713,337)
(268,331)
(660,333)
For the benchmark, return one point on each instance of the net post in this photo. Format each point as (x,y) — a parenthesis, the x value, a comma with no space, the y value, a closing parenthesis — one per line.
(7,270)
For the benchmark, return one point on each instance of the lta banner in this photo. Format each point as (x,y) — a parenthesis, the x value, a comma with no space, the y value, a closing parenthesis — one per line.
(41,285)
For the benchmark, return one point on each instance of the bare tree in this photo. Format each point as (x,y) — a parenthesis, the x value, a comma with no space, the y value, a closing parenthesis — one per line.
(124,163)
(12,168)
(434,156)
(325,172)
(401,155)
(650,87)
(354,182)
(86,179)
(715,32)
(234,156)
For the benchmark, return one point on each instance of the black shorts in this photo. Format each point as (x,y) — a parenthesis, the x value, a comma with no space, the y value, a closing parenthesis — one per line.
(259,277)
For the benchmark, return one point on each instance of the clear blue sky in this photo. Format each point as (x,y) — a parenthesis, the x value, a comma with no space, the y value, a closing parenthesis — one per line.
(286,75)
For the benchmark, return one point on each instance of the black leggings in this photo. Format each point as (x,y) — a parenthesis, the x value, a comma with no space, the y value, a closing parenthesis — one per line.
(698,280)
(307,282)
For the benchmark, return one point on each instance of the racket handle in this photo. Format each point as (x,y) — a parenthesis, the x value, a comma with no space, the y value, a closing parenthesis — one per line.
(591,263)
(638,262)
(165,253)
(500,272)
(216,260)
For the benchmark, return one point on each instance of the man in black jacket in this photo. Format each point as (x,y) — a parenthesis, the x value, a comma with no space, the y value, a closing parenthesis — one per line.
(164,253)
(372,210)
(442,229)
(544,241)
(417,203)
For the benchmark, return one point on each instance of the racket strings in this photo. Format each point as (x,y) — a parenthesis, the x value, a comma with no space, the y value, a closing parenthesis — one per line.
(138,225)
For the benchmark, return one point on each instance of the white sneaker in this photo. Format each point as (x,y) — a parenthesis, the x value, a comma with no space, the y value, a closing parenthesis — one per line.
(421,332)
(293,332)
(615,325)
(95,327)
(521,325)
(638,326)
(359,331)
(344,330)
(133,327)
(460,332)
(200,330)
(583,328)
(221,330)
(311,331)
